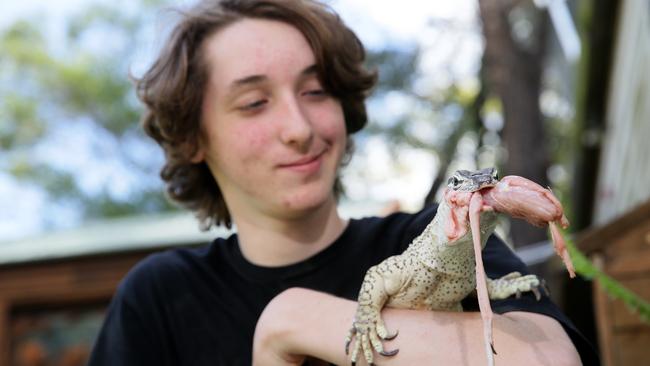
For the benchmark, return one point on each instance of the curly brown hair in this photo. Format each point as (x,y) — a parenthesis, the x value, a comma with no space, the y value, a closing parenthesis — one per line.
(173,88)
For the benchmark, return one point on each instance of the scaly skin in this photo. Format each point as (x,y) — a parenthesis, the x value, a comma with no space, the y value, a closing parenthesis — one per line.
(435,272)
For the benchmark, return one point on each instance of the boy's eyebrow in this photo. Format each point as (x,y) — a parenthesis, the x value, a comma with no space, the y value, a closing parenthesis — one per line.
(256,79)
(309,70)
(248,80)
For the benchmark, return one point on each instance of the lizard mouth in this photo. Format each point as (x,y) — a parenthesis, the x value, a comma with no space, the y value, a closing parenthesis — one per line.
(460,209)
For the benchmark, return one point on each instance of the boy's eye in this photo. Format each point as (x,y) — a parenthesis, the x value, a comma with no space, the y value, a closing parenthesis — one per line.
(253,105)
(315,92)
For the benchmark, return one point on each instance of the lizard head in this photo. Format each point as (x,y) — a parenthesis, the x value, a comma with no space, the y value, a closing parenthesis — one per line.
(468,181)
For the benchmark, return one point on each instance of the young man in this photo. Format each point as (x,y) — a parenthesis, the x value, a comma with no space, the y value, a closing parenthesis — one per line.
(253,102)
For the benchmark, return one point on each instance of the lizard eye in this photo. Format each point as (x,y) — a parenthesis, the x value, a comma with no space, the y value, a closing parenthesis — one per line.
(495,174)
(453,181)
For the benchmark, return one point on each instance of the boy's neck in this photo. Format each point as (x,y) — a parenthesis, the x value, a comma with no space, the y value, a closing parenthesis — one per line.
(274,242)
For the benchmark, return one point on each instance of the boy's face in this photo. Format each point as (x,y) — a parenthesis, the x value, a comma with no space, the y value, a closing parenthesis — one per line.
(272,137)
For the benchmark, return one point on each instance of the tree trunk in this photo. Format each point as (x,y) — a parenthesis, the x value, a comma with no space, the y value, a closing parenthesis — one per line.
(513,72)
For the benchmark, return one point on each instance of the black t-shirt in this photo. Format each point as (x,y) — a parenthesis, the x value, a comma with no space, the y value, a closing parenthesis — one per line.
(199,306)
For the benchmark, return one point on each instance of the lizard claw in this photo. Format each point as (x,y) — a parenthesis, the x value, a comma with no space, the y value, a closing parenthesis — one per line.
(389,353)
(493,350)
(545,287)
(535,290)
(366,335)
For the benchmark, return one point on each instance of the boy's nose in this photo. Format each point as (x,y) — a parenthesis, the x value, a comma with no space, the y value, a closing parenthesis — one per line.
(296,130)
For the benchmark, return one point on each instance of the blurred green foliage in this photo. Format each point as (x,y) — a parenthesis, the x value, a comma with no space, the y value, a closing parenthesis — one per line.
(80,82)
(612,287)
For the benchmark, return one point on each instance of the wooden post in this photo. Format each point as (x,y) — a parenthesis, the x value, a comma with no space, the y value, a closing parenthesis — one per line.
(604,321)
(5,343)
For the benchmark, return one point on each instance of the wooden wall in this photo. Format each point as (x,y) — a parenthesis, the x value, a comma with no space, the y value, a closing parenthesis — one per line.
(624,176)
(622,250)
(70,294)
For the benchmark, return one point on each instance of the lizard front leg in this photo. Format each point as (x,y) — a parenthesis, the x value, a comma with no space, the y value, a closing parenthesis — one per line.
(368,326)
(513,284)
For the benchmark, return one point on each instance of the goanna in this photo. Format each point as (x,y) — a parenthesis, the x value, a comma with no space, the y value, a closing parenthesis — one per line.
(433,273)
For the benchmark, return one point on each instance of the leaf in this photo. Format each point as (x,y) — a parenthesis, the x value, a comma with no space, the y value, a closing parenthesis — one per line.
(613,288)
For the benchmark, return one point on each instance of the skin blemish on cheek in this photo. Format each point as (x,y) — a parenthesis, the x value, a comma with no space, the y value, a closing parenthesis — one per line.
(252,137)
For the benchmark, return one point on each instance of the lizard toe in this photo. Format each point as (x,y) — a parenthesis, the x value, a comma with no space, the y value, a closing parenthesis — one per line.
(355,350)
(348,339)
(389,337)
(366,347)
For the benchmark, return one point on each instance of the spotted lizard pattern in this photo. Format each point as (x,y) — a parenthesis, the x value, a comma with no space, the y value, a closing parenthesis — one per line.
(435,272)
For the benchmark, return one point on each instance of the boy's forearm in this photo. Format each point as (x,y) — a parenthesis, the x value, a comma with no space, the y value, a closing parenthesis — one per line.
(303,322)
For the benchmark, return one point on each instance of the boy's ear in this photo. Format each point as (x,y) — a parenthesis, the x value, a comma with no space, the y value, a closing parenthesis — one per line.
(199,155)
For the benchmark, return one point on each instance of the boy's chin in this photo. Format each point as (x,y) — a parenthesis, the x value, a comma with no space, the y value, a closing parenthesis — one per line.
(309,200)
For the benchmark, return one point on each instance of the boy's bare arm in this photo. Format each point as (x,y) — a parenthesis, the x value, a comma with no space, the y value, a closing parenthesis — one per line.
(301,322)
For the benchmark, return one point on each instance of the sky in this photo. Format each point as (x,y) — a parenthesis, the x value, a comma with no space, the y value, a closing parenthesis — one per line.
(373,19)
(378,23)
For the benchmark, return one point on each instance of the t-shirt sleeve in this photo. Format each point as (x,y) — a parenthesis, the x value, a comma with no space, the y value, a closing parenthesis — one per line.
(131,333)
